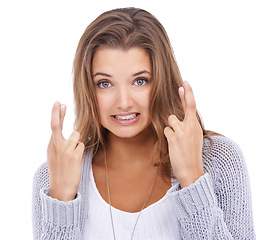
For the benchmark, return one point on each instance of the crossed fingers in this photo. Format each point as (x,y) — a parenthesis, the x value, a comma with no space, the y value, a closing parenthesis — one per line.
(188,101)
(189,105)
(57,118)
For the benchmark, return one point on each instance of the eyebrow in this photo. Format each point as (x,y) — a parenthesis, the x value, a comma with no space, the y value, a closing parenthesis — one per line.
(141,72)
(134,75)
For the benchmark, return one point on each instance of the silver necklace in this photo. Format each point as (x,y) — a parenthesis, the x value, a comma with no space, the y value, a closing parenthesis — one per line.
(108,187)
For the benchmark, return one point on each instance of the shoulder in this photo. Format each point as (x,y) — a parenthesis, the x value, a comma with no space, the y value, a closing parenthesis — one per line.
(221,148)
(224,159)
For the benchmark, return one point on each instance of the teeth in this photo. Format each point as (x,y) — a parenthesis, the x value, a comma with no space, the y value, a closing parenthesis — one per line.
(127,117)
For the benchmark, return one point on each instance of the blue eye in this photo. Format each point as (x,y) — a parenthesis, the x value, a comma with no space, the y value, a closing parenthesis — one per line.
(103,84)
(141,81)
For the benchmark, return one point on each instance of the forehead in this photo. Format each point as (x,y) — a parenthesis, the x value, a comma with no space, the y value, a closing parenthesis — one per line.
(110,61)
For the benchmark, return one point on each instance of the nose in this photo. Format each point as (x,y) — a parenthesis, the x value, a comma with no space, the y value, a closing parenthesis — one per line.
(124,99)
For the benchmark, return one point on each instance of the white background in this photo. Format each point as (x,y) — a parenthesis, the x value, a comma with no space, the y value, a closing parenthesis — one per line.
(223,49)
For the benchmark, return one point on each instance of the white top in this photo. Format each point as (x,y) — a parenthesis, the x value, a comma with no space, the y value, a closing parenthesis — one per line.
(157,221)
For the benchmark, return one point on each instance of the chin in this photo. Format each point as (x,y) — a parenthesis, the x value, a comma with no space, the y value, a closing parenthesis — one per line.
(126,133)
(129,132)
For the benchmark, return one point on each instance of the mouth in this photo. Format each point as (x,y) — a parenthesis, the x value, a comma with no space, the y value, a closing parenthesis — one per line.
(126,117)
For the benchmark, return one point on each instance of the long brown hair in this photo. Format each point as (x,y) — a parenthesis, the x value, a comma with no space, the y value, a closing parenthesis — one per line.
(126,28)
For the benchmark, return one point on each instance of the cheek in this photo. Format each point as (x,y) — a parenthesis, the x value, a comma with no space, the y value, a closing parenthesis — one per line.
(103,104)
(144,100)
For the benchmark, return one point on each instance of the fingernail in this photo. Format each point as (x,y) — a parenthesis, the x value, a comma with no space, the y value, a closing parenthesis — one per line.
(62,107)
(57,103)
(185,83)
(181,89)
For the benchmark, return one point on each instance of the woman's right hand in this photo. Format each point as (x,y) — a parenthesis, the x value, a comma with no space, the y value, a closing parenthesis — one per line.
(64,158)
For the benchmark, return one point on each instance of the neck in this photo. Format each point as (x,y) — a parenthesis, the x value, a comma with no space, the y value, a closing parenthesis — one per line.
(131,152)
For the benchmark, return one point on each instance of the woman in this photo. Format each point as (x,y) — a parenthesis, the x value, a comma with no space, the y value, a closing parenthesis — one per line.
(140,164)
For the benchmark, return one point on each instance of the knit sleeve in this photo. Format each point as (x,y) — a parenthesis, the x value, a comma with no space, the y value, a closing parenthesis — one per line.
(218,204)
(51,218)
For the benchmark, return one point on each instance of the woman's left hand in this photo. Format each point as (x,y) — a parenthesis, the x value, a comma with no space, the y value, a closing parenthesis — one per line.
(185,140)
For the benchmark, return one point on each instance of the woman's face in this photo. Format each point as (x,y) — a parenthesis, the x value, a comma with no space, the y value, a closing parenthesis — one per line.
(123,81)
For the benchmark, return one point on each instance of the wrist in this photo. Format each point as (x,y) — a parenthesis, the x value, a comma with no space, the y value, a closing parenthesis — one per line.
(61,196)
(186,181)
